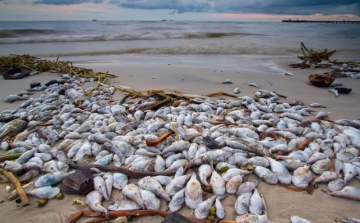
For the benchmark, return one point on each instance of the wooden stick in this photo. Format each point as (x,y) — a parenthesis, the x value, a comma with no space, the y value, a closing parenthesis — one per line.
(23,198)
(158,104)
(76,217)
(303,144)
(158,140)
(114,214)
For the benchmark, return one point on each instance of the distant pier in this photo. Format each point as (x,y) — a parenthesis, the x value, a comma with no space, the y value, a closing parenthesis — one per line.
(322,21)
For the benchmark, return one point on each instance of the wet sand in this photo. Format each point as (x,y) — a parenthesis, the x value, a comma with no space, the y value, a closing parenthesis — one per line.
(281,203)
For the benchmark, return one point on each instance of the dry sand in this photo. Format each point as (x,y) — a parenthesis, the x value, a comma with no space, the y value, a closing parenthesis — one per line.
(281,203)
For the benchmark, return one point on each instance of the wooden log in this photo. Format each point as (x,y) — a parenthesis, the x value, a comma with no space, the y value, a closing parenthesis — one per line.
(22,195)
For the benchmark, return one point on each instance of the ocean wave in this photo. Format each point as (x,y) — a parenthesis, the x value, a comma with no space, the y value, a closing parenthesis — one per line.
(27,32)
(28,36)
(184,51)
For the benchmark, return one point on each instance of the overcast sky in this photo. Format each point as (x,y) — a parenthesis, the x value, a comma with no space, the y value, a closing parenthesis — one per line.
(197,10)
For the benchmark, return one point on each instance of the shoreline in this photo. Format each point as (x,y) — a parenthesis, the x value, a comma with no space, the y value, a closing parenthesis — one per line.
(281,203)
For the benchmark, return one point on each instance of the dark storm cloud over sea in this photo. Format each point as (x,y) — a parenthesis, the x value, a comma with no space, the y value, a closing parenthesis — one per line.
(304,7)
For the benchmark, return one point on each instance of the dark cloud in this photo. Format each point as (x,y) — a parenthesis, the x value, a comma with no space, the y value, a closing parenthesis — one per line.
(303,7)
(66,2)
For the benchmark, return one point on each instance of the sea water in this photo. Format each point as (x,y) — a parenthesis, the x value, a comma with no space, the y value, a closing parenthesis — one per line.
(210,44)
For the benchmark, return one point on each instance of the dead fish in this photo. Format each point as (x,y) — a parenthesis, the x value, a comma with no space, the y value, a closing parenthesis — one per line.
(152,185)
(99,185)
(302,176)
(193,193)
(326,177)
(124,205)
(280,171)
(236,90)
(233,184)
(51,179)
(150,201)
(253,218)
(321,115)
(11,98)
(93,200)
(266,175)
(218,184)
(132,192)
(120,180)
(202,210)
(109,181)
(349,192)
(253,85)
(335,92)
(177,184)
(177,201)
(220,210)
(247,187)
(317,105)
(177,147)
(297,219)
(47,192)
(349,172)
(321,166)
(256,205)
(13,128)
(227,81)
(242,203)
(336,185)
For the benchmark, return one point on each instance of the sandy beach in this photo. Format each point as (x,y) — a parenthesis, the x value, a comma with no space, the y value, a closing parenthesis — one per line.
(281,203)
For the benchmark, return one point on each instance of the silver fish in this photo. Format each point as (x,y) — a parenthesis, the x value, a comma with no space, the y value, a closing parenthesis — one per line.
(220,210)
(297,219)
(47,192)
(177,201)
(149,200)
(233,184)
(93,200)
(335,92)
(120,180)
(218,185)
(336,185)
(253,218)
(302,176)
(177,184)
(202,210)
(242,203)
(132,192)
(256,205)
(99,185)
(247,187)
(51,179)
(152,185)
(326,177)
(280,171)
(109,181)
(124,205)
(349,192)
(265,174)
(12,98)
(193,193)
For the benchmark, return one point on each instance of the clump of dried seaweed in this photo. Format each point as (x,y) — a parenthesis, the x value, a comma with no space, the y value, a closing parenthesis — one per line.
(36,64)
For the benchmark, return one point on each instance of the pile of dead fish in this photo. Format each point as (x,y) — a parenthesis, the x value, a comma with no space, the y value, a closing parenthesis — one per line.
(215,144)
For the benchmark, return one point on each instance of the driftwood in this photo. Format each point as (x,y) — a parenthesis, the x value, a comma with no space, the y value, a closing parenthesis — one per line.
(158,140)
(22,195)
(303,144)
(114,214)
